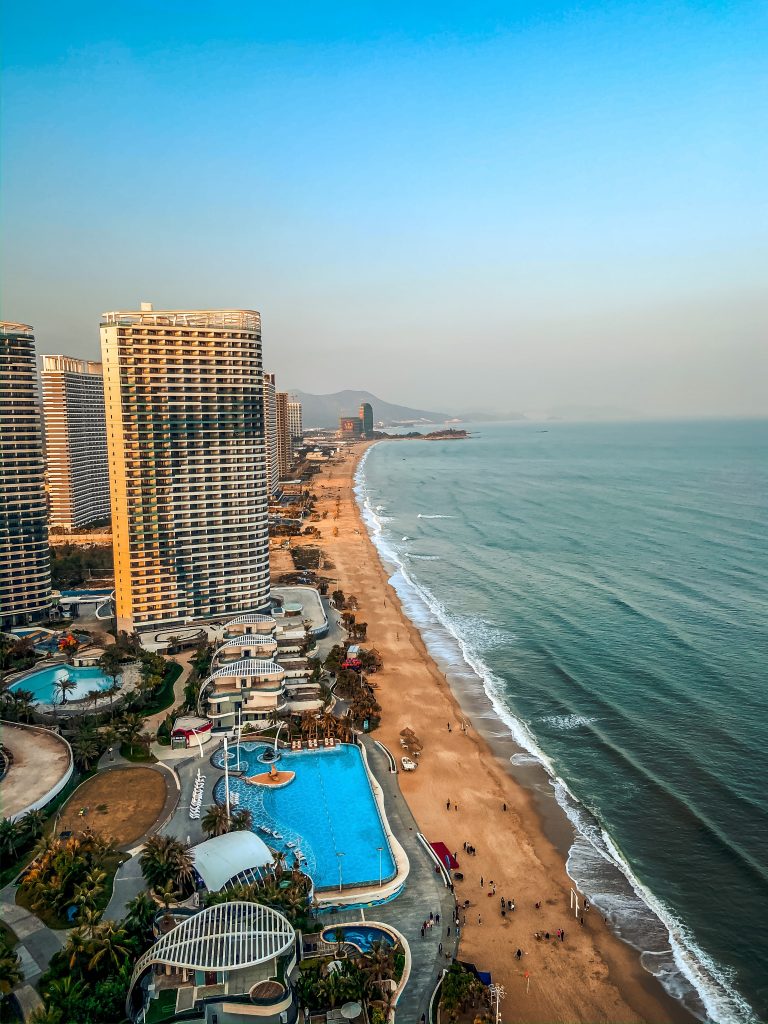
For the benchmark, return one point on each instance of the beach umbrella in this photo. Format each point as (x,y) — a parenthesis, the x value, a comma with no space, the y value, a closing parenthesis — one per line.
(350,1011)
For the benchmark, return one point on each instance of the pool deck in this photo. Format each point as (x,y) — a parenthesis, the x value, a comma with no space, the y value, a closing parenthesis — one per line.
(41,761)
(423,892)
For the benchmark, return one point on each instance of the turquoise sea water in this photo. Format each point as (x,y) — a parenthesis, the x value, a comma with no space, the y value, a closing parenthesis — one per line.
(607,585)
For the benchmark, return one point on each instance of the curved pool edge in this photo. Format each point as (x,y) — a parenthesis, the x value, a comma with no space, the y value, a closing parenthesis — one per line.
(368,894)
(373,893)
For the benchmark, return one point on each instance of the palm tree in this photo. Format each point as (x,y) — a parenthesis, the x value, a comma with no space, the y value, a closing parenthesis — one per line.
(110,947)
(241,821)
(10,968)
(23,705)
(130,729)
(11,839)
(64,686)
(86,750)
(141,914)
(77,947)
(166,861)
(215,821)
(32,825)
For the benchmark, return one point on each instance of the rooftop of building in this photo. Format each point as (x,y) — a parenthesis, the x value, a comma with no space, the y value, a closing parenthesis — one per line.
(248,667)
(9,327)
(238,319)
(226,858)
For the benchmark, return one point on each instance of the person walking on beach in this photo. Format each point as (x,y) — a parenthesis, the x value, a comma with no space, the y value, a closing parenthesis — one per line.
(479,919)
(431,916)
(440,948)
(562,935)
(449,727)
(447,805)
(481,881)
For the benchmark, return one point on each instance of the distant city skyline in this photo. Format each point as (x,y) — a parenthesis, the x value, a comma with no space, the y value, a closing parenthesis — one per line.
(514,207)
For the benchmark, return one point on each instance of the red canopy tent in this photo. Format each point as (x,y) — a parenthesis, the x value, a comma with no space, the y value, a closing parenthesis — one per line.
(445,855)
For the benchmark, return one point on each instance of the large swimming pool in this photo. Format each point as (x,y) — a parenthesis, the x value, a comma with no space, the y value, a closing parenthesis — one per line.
(42,684)
(328,812)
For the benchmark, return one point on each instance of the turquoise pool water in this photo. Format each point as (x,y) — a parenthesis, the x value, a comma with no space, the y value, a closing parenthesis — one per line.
(328,813)
(41,684)
(364,938)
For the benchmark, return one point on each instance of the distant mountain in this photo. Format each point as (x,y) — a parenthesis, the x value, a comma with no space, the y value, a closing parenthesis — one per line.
(324,410)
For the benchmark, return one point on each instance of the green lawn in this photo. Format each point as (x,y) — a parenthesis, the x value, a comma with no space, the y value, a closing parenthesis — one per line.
(162,1008)
(163,698)
(138,754)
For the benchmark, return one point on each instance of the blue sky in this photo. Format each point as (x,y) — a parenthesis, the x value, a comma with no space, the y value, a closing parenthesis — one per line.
(517,206)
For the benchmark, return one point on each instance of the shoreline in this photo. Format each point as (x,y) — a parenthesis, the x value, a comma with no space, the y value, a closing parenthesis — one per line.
(593,975)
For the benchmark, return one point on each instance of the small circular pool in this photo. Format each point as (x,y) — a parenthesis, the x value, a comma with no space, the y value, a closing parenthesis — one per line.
(362,936)
(43,684)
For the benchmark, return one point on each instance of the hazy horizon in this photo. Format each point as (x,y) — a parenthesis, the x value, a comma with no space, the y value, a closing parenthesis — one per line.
(514,208)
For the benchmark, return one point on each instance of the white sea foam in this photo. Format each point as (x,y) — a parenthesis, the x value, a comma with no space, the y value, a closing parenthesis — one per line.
(423,558)
(566,723)
(424,515)
(520,759)
(687,972)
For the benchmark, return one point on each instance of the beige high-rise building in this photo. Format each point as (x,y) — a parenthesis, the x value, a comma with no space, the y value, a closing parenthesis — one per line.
(284,446)
(187,464)
(75,441)
(25,565)
(270,431)
(295,425)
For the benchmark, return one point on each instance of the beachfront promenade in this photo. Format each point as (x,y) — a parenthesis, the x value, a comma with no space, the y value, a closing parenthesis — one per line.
(424,891)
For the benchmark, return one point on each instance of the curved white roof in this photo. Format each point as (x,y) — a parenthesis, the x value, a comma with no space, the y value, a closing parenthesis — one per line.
(220,859)
(249,618)
(248,640)
(248,667)
(228,936)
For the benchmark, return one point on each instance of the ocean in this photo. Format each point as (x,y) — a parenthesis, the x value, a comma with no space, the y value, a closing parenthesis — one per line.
(607,587)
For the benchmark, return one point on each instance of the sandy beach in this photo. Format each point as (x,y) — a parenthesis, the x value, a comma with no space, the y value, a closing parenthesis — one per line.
(589,976)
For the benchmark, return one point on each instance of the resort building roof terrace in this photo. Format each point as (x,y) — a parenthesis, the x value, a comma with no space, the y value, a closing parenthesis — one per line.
(249,668)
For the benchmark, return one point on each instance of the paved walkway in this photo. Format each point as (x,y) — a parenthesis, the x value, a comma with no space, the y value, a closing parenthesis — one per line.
(128,879)
(37,942)
(424,892)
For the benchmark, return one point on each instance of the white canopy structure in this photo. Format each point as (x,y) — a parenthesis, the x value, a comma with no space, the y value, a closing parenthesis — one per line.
(226,937)
(232,859)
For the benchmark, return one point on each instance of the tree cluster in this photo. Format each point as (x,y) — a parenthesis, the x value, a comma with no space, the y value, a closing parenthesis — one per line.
(72,565)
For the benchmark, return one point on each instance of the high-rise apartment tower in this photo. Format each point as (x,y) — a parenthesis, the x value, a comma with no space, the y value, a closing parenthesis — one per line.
(295,426)
(366,417)
(75,441)
(25,566)
(187,464)
(284,446)
(270,431)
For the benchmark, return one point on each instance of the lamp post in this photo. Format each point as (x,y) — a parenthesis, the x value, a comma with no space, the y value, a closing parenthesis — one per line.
(497,994)
(226,776)
(380,849)
(239,733)
(340,855)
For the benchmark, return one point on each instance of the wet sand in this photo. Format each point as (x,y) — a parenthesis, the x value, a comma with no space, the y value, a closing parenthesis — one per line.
(458,794)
